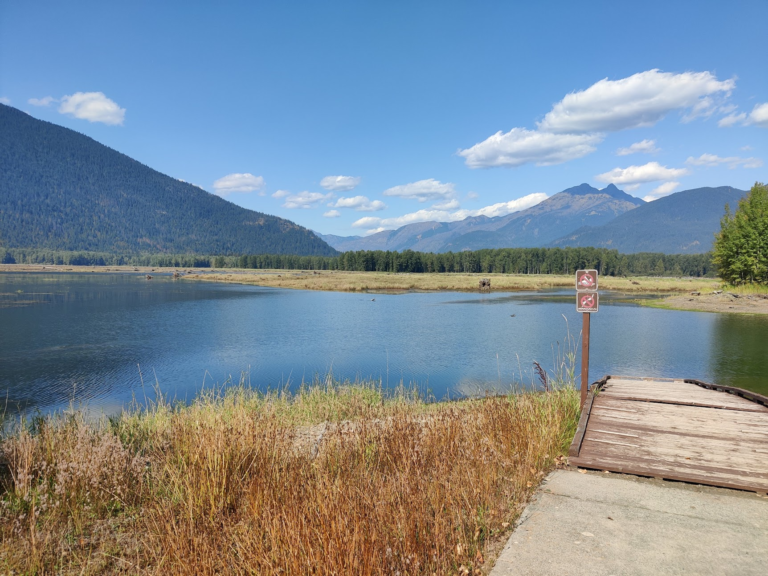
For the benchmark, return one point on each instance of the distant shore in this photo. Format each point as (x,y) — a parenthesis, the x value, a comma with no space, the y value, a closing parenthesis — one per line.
(435,282)
(343,281)
(693,294)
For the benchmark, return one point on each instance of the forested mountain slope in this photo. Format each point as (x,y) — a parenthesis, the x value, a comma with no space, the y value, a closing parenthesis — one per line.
(61,190)
(681,223)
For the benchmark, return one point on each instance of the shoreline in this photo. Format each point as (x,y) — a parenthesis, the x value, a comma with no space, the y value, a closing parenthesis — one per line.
(723,303)
(347,281)
(685,294)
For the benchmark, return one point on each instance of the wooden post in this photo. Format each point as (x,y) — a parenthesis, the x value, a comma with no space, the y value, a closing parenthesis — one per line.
(584,357)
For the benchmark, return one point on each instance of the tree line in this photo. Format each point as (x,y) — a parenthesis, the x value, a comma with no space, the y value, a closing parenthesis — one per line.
(502,260)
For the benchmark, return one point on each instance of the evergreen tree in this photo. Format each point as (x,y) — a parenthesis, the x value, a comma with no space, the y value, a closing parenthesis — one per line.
(741,246)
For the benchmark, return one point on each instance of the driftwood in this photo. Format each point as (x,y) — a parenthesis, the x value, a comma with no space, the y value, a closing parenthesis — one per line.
(485,285)
(149,277)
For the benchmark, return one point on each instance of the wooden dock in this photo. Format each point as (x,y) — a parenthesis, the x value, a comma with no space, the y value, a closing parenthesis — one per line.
(683,430)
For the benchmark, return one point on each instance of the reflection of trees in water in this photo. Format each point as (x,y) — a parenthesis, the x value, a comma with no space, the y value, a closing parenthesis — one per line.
(739,352)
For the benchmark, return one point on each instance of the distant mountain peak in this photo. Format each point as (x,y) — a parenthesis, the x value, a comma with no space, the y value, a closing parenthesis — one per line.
(581,190)
(614,192)
(682,223)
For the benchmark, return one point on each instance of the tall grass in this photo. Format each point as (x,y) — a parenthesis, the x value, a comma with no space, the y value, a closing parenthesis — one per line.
(332,480)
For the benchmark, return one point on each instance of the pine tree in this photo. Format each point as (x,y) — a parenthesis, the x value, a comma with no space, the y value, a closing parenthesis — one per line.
(741,246)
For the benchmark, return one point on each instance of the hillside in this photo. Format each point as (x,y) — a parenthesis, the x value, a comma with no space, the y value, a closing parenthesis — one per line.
(536,226)
(61,190)
(681,223)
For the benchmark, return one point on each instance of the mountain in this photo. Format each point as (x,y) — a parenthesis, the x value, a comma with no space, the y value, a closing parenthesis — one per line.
(681,223)
(536,226)
(338,242)
(61,190)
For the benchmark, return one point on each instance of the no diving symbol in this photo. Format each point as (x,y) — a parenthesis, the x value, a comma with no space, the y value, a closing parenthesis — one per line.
(587,302)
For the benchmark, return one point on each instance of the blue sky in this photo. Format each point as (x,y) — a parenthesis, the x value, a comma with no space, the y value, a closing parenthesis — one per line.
(349,117)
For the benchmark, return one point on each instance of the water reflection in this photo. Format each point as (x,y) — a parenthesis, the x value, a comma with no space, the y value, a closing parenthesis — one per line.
(738,351)
(84,336)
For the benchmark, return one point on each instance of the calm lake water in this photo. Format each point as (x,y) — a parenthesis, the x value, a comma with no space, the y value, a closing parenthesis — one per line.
(95,337)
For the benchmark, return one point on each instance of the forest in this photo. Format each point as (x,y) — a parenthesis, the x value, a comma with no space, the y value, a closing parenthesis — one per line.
(63,191)
(502,260)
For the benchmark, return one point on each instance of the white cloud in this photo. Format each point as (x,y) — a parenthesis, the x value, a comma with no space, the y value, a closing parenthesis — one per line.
(661,190)
(520,146)
(423,190)
(638,100)
(504,208)
(281,194)
(6,101)
(340,183)
(746,148)
(472,195)
(631,187)
(374,224)
(92,106)
(332,214)
(642,147)
(306,199)
(651,172)
(759,115)
(451,204)
(367,222)
(732,161)
(238,183)
(359,203)
(46,101)
(731,120)
(704,108)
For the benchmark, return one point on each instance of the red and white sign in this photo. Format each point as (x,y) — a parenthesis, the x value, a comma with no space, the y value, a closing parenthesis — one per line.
(586,280)
(587,302)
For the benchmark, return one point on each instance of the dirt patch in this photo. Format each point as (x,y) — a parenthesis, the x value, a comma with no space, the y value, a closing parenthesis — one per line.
(721,302)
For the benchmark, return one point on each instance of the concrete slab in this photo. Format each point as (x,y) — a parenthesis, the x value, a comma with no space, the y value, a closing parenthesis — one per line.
(600,524)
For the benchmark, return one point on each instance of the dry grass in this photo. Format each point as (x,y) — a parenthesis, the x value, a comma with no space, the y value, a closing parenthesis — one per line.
(226,486)
(384,282)
(392,282)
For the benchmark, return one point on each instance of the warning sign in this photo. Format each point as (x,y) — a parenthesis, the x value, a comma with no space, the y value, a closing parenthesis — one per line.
(587,301)
(586,280)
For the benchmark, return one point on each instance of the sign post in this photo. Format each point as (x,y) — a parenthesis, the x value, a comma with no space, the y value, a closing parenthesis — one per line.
(587,301)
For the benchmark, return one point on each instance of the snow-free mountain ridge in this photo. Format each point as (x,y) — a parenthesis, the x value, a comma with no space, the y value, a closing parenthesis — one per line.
(563,212)
(61,190)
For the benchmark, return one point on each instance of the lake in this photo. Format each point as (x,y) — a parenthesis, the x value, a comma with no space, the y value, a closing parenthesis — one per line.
(104,339)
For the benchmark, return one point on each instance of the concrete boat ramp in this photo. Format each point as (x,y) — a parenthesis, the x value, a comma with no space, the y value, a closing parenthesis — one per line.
(668,477)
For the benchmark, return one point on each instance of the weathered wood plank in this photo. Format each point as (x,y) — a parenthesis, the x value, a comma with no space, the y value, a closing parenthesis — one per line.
(677,392)
(677,430)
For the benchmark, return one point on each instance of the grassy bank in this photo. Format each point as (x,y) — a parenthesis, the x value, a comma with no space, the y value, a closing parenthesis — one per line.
(342,281)
(383,282)
(334,480)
